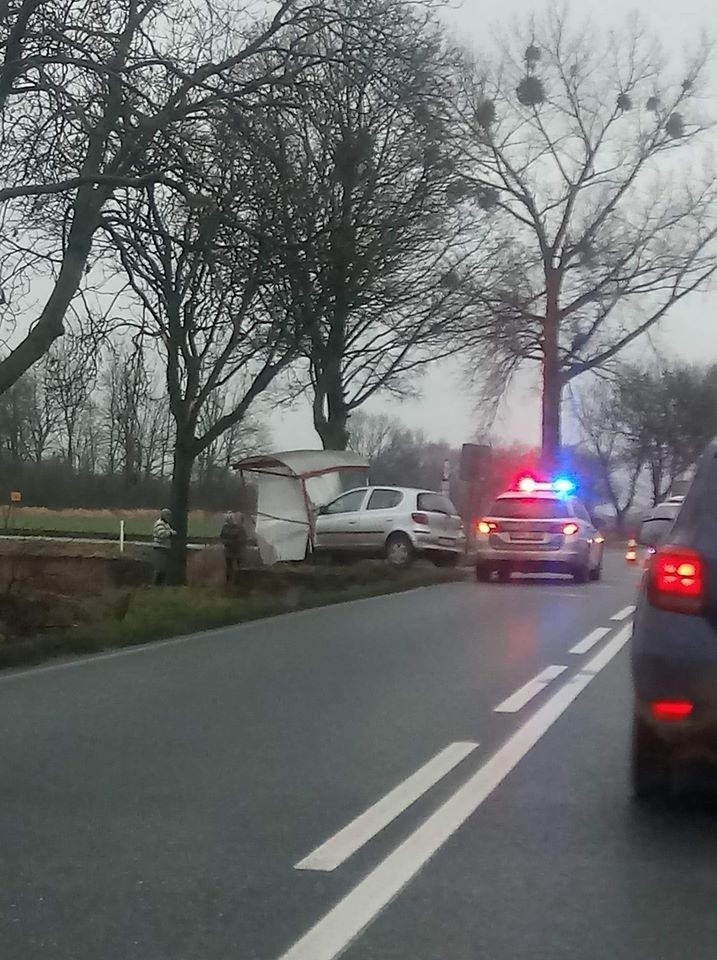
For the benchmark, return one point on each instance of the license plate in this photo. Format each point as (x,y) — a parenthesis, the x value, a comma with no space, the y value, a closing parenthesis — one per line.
(527,537)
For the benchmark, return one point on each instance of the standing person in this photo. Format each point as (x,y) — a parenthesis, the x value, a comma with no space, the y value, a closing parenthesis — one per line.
(234,538)
(161,544)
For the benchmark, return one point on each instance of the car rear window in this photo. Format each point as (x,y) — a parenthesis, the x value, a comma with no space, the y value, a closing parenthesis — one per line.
(529,508)
(436,503)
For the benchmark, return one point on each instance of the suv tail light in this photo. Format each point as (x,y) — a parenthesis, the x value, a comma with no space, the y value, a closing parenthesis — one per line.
(676,580)
(671,711)
(570,529)
(487,526)
(420,518)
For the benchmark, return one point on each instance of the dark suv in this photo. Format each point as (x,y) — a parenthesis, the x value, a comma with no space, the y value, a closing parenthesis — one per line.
(674,647)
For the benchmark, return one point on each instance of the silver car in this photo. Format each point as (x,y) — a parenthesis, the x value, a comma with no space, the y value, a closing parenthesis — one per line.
(398,523)
(538,532)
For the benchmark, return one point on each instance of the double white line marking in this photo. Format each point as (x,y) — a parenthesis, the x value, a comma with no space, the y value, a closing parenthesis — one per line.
(347,841)
(341,925)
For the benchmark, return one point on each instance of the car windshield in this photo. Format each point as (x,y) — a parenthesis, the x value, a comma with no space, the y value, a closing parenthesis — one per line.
(529,508)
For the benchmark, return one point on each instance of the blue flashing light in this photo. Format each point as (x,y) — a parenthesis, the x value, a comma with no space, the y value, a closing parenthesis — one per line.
(563,485)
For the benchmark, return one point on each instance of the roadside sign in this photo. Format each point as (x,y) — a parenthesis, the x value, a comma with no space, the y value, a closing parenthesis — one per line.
(15,496)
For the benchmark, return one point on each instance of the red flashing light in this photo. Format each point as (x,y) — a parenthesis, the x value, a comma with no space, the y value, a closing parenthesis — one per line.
(570,529)
(671,711)
(420,518)
(527,484)
(677,580)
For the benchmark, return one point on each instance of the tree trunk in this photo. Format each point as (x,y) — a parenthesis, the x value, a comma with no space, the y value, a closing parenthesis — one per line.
(333,431)
(552,388)
(331,417)
(179,502)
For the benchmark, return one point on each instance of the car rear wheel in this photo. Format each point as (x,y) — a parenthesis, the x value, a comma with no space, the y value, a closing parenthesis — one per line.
(482,573)
(504,573)
(596,574)
(399,550)
(651,766)
(581,574)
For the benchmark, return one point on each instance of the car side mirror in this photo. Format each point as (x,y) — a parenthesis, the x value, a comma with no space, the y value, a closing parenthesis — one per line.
(652,532)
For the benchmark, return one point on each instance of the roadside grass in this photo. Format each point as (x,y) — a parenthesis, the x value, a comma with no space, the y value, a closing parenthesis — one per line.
(106,523)
(149,614)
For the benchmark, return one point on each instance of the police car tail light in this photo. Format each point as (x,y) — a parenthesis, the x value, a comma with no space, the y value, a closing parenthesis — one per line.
(570,529)
(676,580)
(487,526)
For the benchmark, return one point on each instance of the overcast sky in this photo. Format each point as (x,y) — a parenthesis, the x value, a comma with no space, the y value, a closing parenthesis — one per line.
(446,410)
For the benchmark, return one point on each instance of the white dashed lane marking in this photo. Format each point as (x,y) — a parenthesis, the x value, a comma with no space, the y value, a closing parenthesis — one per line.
(589,642)
(532,688)
(623,614)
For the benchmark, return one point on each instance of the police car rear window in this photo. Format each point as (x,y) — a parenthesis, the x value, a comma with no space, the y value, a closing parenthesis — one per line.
(529,508)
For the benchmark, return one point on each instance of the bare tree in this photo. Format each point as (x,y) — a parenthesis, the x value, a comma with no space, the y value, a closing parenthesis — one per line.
(72,367)
(92,95)
(370,434)
(127,383)
(203,273)
(669,413)
(580,143)
(373,247)
(619,458)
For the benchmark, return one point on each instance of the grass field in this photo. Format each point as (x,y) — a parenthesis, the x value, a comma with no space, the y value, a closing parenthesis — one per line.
(138,523)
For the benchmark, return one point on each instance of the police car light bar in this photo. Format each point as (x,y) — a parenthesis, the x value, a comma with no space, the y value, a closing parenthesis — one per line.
(528,484)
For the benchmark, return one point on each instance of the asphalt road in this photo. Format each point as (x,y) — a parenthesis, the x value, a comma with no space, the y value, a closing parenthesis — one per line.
(427,776)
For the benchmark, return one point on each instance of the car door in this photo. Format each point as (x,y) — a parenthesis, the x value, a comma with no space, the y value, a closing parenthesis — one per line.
(337,523)
(378,516)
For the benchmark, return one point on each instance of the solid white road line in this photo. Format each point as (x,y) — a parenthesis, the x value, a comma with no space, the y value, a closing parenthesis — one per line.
(518,700)
(334,932)
(623,614)
(589,642)
(352,837)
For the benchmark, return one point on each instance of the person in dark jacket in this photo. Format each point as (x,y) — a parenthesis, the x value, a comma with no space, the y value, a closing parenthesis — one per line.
(234,539)
(161,545)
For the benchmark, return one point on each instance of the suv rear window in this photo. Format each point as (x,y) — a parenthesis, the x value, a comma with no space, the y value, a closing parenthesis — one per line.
(529,508)
(436,503)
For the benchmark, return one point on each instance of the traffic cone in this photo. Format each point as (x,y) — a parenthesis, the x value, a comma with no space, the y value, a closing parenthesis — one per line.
(631,552)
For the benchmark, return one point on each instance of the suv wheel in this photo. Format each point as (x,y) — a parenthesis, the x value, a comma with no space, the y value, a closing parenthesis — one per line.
(651,768)
(399,550)
(482,573)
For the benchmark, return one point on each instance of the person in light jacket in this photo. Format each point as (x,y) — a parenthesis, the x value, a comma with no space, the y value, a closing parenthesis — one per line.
(161,545)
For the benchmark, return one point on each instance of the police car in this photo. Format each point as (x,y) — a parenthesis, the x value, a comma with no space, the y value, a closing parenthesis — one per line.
(538,527)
